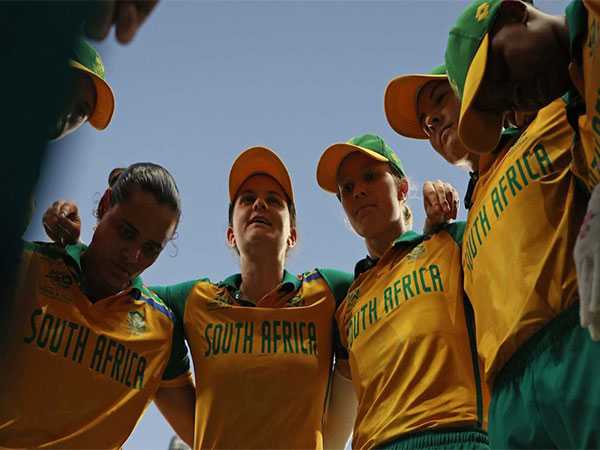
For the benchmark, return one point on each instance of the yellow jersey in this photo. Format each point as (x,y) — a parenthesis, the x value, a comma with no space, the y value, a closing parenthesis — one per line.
(262,372)
(410,339)
(583,18)
(80,373)
(517,252)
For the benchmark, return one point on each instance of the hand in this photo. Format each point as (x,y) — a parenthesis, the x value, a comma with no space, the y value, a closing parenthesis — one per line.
(587,262)
(126,15)
(441,204)
(62,223)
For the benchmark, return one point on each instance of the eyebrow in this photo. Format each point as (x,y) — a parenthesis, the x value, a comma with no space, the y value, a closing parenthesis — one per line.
(151,242)
(435,89)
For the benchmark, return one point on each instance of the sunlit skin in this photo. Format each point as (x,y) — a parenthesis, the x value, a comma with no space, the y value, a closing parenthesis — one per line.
(79,107)
(125,242)
(373,200)
(528,60)
(262,232)
(438,110)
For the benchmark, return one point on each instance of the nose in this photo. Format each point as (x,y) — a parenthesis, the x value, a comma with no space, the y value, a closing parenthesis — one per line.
(259,204)
(359,190)
(132,255)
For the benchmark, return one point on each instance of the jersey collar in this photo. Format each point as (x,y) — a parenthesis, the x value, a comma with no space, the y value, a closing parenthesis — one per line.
(233,282)
(74,253)
(408,238)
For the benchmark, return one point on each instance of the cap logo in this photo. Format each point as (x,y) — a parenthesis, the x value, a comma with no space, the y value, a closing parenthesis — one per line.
(482,12)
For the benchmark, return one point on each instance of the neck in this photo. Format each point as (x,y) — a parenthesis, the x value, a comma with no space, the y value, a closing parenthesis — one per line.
(93,287)
(378,245)
(260,275)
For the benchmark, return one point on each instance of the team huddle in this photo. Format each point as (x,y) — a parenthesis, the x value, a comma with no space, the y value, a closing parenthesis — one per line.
(470,335)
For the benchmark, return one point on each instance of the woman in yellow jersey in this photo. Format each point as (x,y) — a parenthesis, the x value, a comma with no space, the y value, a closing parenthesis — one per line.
(526,206)
(90,344)
(405,322)
(260,340)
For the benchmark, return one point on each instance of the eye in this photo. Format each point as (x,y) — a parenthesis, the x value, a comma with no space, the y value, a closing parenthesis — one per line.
(274,200)
(126,233)
(440,98)
(346,188)
(247,199)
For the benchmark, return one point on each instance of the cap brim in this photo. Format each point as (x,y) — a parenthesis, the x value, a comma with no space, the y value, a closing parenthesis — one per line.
(105,99)
(331,159)
(256,161)
(480,131)
(400,103)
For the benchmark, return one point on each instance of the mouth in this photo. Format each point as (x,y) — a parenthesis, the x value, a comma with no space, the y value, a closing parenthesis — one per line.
(363,210)
(259,220)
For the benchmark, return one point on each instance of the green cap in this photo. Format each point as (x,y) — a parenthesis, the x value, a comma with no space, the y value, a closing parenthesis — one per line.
(466,58)
(86,59)
(400,101)
(368,144)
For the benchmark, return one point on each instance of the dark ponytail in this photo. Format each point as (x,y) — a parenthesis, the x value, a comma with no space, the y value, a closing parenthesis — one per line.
(148,177)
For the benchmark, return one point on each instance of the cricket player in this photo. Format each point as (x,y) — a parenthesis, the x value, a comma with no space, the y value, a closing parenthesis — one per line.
(261,340)
(405,324)
(89,344)
(531,58)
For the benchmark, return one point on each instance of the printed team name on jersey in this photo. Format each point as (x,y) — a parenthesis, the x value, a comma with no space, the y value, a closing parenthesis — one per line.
(77,344)
(530,166)
(407,287)
(265,337)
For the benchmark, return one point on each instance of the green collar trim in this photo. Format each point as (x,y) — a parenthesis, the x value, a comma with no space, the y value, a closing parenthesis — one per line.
(289,282)
(406,238)
(74,253)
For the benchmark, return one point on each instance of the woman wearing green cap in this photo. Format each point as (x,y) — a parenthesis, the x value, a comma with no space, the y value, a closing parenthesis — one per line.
(260,340)
(405,324)
(518,270)
(92,98)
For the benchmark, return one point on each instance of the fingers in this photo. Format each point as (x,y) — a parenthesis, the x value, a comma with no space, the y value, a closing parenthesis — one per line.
(101,19)
(453,200)
(130,16)
(62,223)
(441,202)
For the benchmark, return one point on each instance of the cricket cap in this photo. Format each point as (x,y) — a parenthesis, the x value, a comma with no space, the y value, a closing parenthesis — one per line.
(258,161)
(368,144)
(87,60)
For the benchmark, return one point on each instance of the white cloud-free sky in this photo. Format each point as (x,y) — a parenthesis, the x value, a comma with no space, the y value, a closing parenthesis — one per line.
(204,80)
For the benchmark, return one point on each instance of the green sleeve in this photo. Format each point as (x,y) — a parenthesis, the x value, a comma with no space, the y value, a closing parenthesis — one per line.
(339,282)
(175,297)
(456,230)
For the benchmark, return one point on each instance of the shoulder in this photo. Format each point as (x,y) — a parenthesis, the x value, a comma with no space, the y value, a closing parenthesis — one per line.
(46,249)
(456,230)
(156,303)
(337,281)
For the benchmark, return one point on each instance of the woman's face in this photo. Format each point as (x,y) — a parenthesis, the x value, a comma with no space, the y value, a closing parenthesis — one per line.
(438,110)
(261,217)
(372,197)
(78,109)
(129,237)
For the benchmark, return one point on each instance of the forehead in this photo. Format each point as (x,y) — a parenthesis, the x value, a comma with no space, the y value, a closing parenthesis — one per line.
(143,211)
(355,163)
(260,183)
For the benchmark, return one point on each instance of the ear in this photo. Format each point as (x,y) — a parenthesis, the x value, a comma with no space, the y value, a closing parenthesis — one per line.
(403,189)
(511,11)
(291,240)
(104,204)
(230,237)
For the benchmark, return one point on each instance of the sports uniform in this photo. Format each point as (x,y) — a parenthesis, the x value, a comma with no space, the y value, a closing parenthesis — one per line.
(82,373)
(583,19)
(519,270)
(409,336)
(262,372)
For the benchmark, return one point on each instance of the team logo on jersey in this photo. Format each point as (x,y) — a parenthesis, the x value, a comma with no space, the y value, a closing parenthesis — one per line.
(296,301)
(352,298)
(137,322)
(416,252)
(220,300)
(61,279)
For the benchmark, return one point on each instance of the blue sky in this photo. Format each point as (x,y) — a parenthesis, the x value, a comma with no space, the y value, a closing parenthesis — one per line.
(204,80)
